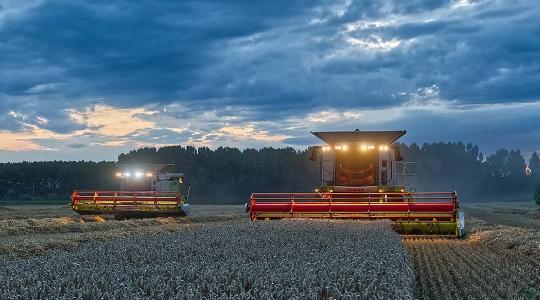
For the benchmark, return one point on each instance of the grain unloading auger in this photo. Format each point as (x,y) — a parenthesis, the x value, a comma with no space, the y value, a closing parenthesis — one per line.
(363,176)
(142,194)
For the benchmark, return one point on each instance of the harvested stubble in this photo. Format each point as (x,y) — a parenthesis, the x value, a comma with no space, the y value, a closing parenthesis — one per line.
(314,259)
(492,262)
(26,232)
(500,238)
(29,237)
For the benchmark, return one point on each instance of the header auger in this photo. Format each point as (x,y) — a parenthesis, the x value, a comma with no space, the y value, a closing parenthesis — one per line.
(364,176)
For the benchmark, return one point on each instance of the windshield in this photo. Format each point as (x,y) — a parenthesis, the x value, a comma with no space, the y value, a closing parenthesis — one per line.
(356,168)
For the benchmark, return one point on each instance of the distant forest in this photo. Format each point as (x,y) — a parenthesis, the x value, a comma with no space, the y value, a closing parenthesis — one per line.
(228,175)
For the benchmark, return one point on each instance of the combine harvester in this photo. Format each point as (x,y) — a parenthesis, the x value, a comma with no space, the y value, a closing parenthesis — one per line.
(363,176)
(142,194)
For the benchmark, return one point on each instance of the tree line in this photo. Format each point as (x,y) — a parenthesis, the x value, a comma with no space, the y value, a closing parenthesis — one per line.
(229,175)
(53,180)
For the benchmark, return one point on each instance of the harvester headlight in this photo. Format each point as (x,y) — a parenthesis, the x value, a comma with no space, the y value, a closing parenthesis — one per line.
(344,147)
(367,147)
(118,174)
(149,174)
(127,174)
(383,147)
(316,190)
(139,174)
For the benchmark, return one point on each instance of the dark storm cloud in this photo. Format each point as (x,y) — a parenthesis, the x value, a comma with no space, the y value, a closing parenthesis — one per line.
(133,53)
(118,50)
(259,61)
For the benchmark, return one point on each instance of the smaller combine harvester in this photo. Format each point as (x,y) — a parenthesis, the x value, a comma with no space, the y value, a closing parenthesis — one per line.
(145,192)
(364,176)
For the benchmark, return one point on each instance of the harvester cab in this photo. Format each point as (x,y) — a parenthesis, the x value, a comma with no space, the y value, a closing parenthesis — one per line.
(362,162)
(364,176)
(145,191)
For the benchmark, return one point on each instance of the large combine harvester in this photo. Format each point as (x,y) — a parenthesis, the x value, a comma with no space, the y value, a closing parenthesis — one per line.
(364,176)
(148,193)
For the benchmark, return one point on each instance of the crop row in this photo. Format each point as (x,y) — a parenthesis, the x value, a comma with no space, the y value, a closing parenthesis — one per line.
(313,259)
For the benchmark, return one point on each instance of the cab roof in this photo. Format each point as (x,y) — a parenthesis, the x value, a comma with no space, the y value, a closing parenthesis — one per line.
(358,136)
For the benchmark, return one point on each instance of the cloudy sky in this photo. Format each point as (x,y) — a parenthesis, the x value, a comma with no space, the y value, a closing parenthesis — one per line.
(88,80)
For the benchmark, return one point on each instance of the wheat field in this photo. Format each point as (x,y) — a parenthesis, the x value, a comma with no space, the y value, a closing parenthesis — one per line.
(52,253)
(294,259)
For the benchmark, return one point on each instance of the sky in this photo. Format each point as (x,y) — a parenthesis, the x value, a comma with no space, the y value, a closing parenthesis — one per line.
(87,80)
